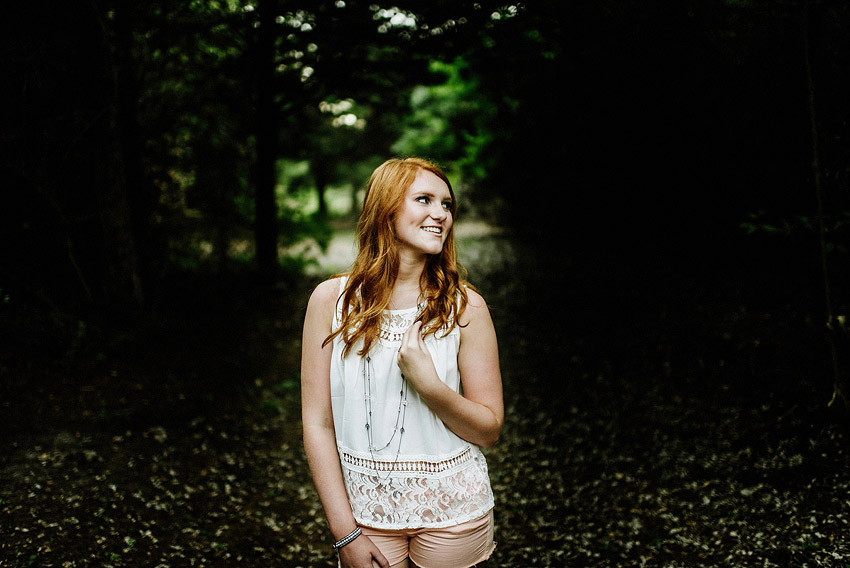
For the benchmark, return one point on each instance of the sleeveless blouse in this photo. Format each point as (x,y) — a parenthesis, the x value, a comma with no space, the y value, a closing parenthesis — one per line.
(418,473)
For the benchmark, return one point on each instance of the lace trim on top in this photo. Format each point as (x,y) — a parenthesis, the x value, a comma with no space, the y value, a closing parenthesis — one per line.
(440,493)
(395,322)
(420,467)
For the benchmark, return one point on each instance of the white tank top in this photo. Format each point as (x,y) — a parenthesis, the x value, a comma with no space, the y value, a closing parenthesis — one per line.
(422,477)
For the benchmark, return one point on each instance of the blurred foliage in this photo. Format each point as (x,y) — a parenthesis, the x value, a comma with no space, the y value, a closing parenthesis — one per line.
(138,140)
(149,162)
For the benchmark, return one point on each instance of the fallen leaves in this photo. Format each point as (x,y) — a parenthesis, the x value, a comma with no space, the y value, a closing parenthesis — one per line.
(604,461)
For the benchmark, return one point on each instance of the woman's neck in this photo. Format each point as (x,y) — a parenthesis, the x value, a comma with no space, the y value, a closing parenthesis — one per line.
(410,270)
(406,289)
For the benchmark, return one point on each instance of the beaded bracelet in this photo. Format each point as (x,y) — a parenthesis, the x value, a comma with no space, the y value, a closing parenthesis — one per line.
(346,539)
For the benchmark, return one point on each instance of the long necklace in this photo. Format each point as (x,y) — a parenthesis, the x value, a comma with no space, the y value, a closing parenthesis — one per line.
(398,428)
(401,412)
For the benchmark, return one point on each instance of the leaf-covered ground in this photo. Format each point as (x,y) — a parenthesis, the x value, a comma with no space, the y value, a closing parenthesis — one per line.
(663,424)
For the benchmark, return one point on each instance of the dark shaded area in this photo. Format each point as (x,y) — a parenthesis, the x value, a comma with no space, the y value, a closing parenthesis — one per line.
(650,133)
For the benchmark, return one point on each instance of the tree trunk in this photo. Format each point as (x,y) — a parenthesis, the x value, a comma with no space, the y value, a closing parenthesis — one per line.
(266,226)
(321,180)
(837,332)
(125,200)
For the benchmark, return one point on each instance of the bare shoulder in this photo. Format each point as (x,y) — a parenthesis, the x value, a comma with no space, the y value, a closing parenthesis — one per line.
(323,300)
(476,308)
(326,292)
(478,342)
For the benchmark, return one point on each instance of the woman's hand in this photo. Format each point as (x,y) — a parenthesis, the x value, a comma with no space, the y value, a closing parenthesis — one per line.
(415,361)
(362,553)
(477,414)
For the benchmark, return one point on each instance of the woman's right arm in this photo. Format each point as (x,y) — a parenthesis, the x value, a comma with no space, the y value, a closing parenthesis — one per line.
(319,435)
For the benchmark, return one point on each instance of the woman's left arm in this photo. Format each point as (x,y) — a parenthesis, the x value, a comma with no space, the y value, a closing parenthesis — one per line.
(477,415)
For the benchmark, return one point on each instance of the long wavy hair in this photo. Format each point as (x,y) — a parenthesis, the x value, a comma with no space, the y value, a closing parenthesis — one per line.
(370,282)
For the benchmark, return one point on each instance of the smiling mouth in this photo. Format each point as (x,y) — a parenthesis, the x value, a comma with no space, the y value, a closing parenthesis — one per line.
(433,230)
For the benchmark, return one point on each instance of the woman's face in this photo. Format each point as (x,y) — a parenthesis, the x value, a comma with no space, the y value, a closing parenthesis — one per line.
(424,219)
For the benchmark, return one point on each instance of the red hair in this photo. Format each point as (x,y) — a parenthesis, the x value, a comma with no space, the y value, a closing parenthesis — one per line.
(370,282)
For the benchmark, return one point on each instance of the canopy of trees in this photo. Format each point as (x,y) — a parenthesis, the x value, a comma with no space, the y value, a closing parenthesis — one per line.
(147,138)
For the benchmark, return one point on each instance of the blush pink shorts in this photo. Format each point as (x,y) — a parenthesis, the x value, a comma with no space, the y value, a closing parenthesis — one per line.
(460,546)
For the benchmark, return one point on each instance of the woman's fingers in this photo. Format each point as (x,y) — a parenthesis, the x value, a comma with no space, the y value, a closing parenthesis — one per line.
(381,560)
(361,553)
(414,333)
(412,337)
(420,338)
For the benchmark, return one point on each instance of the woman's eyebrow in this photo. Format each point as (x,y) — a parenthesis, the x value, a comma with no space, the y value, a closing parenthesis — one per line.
(429,193)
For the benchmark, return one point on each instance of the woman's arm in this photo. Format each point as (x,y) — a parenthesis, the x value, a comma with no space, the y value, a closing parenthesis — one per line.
(319,434)
(477,415)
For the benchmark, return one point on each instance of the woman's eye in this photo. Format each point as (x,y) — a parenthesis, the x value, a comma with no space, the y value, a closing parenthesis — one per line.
(425,200)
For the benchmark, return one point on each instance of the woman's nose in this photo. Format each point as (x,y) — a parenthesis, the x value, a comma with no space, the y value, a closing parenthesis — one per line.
(438,212)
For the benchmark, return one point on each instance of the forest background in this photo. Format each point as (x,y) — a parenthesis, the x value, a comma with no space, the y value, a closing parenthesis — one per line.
(653,199)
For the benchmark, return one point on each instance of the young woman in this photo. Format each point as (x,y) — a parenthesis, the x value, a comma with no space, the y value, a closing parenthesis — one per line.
(401,386)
